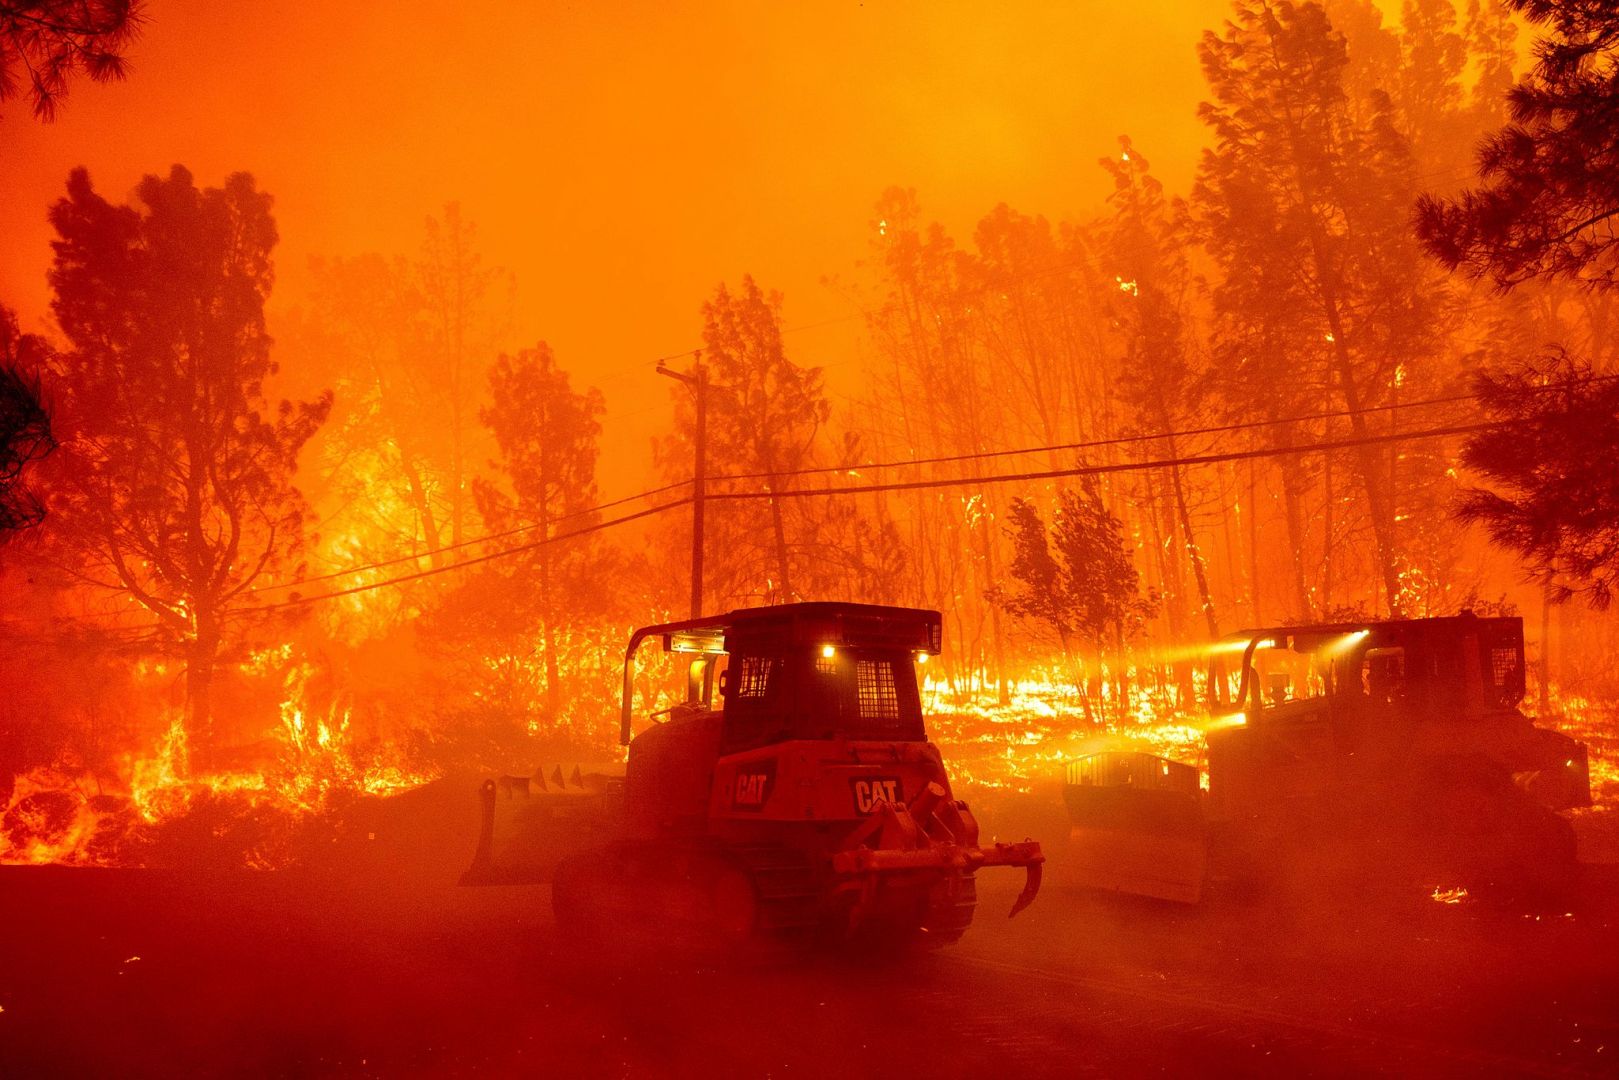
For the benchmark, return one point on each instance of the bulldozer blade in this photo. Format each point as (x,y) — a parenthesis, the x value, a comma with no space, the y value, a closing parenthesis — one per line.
(525,830)
(1031,889)
(481,872)
(1137,826)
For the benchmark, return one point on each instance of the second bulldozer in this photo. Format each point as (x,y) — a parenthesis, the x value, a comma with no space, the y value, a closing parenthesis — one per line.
(1343,753)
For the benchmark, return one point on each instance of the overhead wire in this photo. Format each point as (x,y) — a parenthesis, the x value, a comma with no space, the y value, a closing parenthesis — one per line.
(1044,474)
(1116,467)
(473,542)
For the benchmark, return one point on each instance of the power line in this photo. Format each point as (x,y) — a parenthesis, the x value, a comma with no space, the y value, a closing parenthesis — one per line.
(474,542)
(981,480)
(819,470)
(301,601)
(1145,437)
(1094,443)
(865,489)
(1129,466)
(1205,459)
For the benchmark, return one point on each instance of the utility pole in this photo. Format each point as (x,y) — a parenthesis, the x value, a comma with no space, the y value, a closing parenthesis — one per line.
(696,381)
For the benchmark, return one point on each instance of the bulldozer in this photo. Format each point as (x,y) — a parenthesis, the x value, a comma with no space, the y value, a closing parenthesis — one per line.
(806,802)
(1390,750)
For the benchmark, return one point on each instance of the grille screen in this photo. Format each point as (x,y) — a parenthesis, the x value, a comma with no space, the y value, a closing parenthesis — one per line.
(879,696)
(755,676)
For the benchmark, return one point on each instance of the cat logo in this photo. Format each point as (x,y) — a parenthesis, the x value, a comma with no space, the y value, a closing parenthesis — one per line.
(871,790)
(751,788)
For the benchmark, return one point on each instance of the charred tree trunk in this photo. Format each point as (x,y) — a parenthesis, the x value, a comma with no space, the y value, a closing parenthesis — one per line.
(424,511)
(1253,544)
(779,532)
(548,630)
(1003,692)
(201,653)
(1194,555)
(1293,508)
(1543,698)
(1326,535)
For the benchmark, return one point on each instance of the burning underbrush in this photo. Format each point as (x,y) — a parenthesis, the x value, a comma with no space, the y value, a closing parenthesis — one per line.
(1595,723)
(318,781)
(168,814)
(1017,747)
(161,806)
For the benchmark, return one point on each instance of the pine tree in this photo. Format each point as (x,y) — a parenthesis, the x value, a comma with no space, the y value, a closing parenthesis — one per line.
(1554,497)
(44,43)
(25,423)
(1549,195)
(174,482)
(1303,203)
(1077,578)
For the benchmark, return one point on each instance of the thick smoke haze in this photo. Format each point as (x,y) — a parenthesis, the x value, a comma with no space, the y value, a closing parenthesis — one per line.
(622,160)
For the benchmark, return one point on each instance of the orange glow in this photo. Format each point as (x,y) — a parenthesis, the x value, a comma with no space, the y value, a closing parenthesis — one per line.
(601,134)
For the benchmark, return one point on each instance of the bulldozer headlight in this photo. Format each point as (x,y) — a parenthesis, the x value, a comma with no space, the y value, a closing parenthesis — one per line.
(828,652)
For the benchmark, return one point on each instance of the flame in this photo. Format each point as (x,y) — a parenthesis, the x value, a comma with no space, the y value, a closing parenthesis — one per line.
(1013,748)
(317,760)
(57,816)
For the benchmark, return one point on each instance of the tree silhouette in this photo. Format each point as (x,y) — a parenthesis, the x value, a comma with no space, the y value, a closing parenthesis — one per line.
(1552,461)
(1550,192)
(44,44)
(1303,202)
(1143,241)
(764,413)
(547,433)
(1077,578)
(175,480)
(25,423)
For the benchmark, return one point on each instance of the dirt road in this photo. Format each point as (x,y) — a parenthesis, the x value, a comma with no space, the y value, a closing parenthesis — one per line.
(147,973)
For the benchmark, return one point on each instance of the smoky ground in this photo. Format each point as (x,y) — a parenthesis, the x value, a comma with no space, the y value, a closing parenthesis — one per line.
(373,962)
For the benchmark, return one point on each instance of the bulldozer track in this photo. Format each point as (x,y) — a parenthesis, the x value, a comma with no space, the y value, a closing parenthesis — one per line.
(786,884)
(1206,1017)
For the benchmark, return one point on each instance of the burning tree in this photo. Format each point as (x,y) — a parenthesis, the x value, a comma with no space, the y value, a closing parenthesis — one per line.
(1142,239)
(407,341)
(938,319)
(764,414)
(1303,204)
(547,433)
(457,289)
(174,486)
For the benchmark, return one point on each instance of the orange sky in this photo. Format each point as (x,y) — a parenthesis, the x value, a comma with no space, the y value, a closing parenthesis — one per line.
(622,159)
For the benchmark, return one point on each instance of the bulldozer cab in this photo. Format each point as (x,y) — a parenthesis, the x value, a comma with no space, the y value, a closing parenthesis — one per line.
(800,671)
(1395,671)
